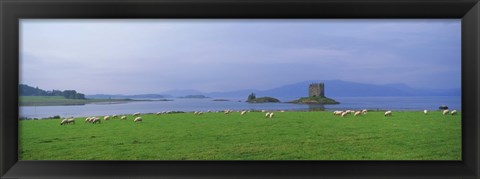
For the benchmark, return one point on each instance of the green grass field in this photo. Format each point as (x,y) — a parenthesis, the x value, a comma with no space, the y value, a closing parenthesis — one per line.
(215,136)
(60,100)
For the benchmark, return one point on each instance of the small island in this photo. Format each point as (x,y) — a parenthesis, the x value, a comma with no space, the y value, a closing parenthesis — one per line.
(253,99)
(220,100)
(316,95)
(195,96)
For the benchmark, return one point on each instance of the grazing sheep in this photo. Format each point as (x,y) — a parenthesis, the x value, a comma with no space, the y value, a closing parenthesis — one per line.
(123,117)
(64,121)
(267,114)
(345,113)
(195,112)
(282,111)
(137,119)
(364,111)
(226,112)
(263,110)
(106,118)
(337,113)
(158,113)
(114,116)
(209,111)
(243,113)
(87,119)
(445,112)
(388,113)
(357,113)
(95,120)
(136,114)
(425,112)
(270,115)
(200,113)
(67,121)
(454,112)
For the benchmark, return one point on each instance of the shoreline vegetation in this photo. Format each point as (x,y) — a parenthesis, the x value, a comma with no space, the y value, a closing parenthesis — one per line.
(315,100)
(61,101)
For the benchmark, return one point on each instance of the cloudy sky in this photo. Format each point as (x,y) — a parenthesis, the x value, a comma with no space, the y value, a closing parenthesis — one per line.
(152,56)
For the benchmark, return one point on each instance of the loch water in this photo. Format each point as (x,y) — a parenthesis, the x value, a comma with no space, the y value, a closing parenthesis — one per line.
(188,105)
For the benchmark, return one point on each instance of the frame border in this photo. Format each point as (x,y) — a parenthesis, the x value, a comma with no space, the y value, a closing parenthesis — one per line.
(13,10)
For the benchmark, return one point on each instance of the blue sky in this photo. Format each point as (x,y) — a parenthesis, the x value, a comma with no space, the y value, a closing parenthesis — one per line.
(152,56)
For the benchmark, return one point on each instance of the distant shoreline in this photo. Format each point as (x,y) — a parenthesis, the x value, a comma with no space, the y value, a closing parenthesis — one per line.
(60,101)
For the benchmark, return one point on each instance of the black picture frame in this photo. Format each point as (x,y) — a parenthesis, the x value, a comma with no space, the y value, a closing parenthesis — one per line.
(13,10)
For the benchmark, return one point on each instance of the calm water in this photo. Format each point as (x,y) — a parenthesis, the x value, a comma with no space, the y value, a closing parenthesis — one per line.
(372,103)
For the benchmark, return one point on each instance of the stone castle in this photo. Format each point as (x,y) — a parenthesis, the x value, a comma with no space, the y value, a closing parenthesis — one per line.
(316,90)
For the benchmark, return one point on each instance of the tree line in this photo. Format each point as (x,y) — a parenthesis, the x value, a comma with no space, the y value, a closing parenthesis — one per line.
(26,90)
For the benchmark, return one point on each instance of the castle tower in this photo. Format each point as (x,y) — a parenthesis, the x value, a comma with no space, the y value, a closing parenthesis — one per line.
(316,90)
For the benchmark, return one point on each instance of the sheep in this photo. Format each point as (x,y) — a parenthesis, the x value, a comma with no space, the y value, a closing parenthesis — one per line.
(123,117)
(227,112)
(358,113)
(158,113)
(243,113)
(195,112)
(271,115)
(136,114)
(282,111)
(87,119)
(267,114)
(200,113)
(67,121)
(106,118)
(114,116)
(388,113)
(263,110)
(64,121)
(454,112)
(445,112)
(137,119)
(344,114)
(95,120)
(335,113)
(425,112)
(364,111)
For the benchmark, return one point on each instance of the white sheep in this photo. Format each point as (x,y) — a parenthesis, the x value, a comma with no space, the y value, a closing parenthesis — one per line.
(243,113)
(267,114)
(95,120)
(358,113)
(137,119)
(388,113)
(282,111)
(136,114)
(364,111)
(337,113)
(345,113)
(454,112)
(87,119)
(158,113)
(445,112)
(114,116)
(64,121)
(123,117)
(106,118)
(425,112)
(271,115)
(200,113)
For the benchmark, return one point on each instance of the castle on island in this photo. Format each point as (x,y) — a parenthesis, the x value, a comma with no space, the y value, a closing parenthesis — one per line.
(316,90)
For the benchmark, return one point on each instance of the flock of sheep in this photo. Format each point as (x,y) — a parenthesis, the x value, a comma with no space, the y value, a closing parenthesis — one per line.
(387,113)
(97,120)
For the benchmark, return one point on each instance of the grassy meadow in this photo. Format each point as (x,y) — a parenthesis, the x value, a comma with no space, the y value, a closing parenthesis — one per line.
(216,136)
